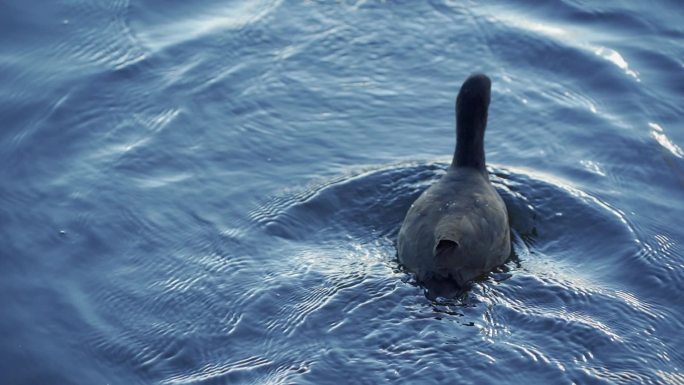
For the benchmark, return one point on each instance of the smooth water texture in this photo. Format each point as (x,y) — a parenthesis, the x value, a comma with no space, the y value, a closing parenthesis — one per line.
(209,192)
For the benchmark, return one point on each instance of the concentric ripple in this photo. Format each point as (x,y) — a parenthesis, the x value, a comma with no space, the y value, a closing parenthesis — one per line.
(556,283)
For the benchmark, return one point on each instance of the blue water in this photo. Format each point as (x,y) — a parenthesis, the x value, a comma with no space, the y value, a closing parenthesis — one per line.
(209,192)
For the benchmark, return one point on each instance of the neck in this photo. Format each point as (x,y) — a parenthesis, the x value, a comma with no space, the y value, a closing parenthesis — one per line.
(470,141)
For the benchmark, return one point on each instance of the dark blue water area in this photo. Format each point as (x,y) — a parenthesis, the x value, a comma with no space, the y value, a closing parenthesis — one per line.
(209,192)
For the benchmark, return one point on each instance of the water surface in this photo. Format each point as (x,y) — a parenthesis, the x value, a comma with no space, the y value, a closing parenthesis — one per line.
(209,192)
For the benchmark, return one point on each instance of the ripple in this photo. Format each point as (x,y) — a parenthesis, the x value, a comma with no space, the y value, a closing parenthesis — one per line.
(614,57)
(159,29)
(368,202)
(216,371)
(159,230)
(556,43)
(300,306)
(658,134)
(540,209)
(103,34)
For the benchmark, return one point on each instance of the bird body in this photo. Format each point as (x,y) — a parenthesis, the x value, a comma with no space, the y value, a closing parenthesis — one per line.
(458,228)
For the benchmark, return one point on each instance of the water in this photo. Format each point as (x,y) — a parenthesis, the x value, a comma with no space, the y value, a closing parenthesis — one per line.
(209,192)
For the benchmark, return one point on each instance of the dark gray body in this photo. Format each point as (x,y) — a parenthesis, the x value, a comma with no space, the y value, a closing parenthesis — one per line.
(458,228)
(463,209)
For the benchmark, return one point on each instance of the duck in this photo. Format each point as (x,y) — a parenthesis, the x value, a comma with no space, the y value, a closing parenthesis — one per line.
(458,229)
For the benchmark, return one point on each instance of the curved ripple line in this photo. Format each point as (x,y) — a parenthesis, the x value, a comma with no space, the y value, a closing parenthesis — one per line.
(299,309)
(614,57)
(326,205)
(563,36)
(215,371)
(574,191)
(112,42)
(658,134)
(182,28)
